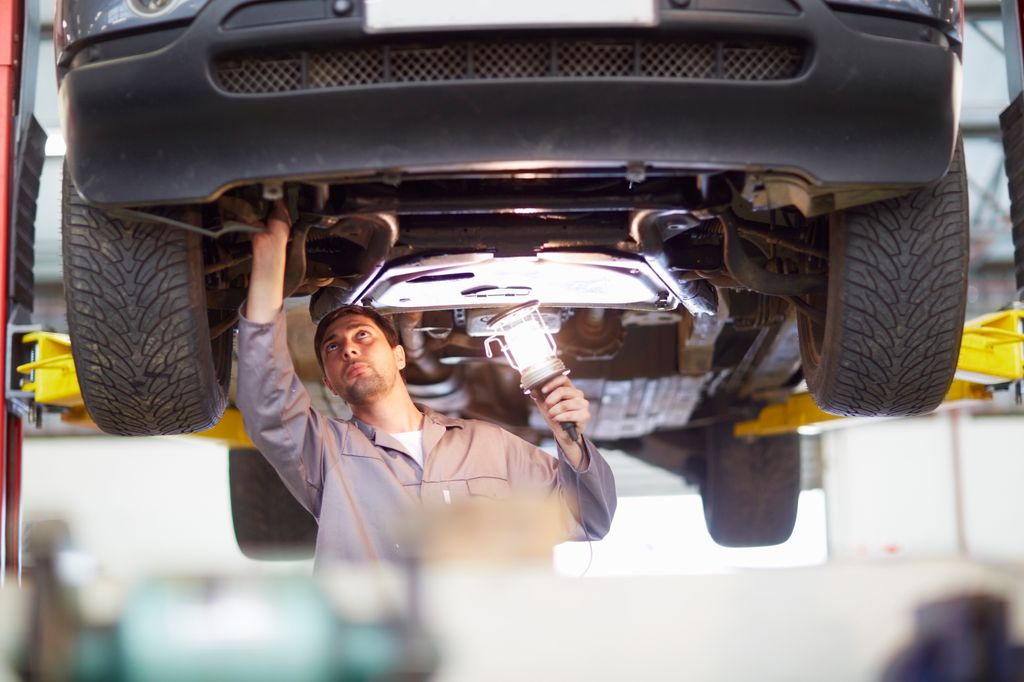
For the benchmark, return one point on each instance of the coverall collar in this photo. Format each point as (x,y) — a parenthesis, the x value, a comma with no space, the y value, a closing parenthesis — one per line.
(433,422)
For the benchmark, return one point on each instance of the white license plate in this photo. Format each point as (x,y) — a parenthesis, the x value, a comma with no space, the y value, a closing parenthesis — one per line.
(437,15)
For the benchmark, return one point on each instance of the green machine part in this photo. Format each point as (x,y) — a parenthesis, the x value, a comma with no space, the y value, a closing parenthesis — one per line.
(280,629)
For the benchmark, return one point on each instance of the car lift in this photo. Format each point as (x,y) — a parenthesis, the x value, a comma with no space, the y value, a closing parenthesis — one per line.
(39,372)
(10,453)
(991,357)
(49,381)
(21,158)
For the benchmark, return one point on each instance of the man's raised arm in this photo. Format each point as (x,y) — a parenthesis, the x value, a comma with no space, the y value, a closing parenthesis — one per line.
(274,404)
(269,253)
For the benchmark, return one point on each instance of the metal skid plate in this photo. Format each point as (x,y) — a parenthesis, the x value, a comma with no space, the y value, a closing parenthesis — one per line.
(481,280)
(636,407)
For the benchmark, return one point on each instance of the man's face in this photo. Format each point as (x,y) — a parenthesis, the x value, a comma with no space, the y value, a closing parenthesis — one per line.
(360,366)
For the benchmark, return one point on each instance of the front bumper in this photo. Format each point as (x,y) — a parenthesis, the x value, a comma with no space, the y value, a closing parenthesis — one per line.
(160,128)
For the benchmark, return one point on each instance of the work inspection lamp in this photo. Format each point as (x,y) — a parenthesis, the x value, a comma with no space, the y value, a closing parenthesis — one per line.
(529,347)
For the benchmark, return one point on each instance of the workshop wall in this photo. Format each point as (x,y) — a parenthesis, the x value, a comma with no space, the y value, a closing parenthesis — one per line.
(139,506)
(941,486)
(932,487)
(991,475)
(145,506)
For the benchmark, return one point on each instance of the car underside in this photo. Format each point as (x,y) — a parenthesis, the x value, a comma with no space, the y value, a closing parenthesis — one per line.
(710,211)
(662,297)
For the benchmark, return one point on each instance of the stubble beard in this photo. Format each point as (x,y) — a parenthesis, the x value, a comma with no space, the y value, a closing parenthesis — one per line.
(366,388)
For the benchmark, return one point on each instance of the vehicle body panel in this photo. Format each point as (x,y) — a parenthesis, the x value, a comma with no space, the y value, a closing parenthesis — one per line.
(890,119)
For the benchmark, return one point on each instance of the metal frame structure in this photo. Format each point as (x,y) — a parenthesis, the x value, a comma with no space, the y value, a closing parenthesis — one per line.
(21,152)
(11,35)
(992,349)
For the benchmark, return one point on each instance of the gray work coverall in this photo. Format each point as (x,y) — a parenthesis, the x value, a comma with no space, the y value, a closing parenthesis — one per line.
(354,479)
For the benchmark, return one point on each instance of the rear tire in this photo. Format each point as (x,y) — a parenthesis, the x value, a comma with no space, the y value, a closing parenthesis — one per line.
(750,489)
(136,307)
(897,291)
(269,522)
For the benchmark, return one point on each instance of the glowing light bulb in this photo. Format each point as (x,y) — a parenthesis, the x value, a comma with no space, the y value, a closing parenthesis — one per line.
(529,347)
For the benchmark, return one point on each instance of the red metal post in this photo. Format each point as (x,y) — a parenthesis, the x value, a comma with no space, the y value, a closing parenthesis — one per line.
(11,25)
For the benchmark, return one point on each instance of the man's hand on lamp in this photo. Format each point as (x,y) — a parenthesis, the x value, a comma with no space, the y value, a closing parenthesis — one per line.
(560,402)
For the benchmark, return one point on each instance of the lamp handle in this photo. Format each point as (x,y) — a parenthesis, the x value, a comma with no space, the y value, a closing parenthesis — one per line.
(570,430)
(487,345)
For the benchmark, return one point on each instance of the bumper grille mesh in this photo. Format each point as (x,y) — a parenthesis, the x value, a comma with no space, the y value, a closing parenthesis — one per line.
(521,60)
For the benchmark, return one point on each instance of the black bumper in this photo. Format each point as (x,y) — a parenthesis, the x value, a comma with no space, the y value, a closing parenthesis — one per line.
(865,110)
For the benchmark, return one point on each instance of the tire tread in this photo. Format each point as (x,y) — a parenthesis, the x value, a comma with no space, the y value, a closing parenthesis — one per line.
(752,489)
(894,328)
(137,316)
(269,522)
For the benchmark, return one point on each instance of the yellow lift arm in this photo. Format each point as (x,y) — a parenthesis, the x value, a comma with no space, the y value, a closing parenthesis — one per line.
(991,353)
(50,375)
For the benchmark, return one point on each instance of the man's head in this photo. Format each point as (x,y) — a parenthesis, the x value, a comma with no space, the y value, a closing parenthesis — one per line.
(359,353)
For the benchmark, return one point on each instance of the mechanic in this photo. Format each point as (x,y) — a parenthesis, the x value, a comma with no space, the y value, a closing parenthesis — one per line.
(357,476)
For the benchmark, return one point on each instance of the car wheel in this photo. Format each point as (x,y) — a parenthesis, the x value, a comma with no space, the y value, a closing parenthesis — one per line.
(890,338)
(136,308)
(269,522)
(750,489)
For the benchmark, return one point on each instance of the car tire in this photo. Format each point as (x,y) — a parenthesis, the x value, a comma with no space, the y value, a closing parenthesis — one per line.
(750,489)
(136,310)
(897,290)
(269,522)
